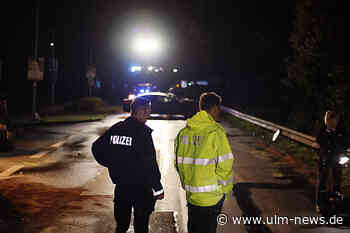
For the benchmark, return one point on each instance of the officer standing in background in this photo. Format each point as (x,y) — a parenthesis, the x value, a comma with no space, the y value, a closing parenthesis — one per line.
(127,150)
(204,163)
(332,142)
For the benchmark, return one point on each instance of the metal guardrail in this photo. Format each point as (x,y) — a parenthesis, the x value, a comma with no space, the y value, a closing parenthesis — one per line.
(292,134)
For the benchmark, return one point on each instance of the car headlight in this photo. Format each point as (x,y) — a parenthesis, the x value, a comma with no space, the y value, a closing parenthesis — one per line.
(131,97)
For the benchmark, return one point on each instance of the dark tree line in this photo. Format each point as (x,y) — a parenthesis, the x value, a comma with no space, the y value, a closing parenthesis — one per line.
(316,79)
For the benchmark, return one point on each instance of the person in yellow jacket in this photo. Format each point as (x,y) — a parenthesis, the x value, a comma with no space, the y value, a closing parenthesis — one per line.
(203,160)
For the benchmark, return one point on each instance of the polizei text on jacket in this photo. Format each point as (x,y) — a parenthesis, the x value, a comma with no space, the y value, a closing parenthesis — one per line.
(121,140)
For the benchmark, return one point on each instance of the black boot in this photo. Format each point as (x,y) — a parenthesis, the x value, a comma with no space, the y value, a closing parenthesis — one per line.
(321,200)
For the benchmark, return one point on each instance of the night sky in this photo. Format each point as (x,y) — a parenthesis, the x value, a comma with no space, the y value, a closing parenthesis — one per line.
(237,41)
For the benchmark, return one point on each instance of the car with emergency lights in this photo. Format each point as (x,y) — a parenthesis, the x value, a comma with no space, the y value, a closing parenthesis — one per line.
(138,89)
(165,105)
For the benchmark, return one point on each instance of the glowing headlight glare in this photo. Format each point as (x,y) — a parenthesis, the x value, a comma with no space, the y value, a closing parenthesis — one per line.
(131,97)
(142,91)
(136,68)
(145,46)
(343,160)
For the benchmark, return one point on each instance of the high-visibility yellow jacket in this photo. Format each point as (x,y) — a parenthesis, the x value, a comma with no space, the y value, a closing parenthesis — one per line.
(203,159)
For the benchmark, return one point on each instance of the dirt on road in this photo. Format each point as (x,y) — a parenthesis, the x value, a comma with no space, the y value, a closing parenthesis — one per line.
(28,207)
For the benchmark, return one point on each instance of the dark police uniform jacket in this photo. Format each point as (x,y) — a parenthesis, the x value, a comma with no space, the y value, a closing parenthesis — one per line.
(332,143)
(127,150)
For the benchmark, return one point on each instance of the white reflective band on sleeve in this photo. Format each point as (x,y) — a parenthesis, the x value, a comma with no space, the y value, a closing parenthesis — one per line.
(225,182)
(201,189)
(198,161)
(158,192)
(222,158)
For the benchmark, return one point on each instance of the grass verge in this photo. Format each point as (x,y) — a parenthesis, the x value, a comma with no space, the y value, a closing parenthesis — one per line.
(72,118)
(305,158)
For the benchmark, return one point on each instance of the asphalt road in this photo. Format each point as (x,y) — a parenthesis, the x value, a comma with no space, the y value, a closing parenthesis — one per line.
(258,190)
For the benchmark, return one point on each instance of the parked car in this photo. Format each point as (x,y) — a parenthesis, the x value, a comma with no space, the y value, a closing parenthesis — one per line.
(165,104)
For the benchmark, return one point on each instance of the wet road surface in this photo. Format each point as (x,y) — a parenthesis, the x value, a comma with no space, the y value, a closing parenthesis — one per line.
(69,192)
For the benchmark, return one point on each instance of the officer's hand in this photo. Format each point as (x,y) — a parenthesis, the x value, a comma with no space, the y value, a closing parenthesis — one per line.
(160,196)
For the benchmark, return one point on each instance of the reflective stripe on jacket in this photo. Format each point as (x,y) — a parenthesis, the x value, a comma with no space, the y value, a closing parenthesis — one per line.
(203,159)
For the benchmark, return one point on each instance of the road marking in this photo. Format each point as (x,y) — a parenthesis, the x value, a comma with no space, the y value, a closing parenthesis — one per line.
(39,155)
(11,170)
(42,153)
(58,144)
(30,164)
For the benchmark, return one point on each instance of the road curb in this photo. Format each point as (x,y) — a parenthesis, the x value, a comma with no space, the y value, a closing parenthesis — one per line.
(27,165)
(43,123)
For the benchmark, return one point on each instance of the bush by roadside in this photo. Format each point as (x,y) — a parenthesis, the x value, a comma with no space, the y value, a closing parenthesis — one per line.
(93,105)
(85,109)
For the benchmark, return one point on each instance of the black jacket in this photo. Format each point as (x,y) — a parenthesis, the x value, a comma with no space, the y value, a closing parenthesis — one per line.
(331,142)
(127,150)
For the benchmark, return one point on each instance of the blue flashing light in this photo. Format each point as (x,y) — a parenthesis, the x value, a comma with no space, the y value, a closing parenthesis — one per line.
(135,68)
(202,83)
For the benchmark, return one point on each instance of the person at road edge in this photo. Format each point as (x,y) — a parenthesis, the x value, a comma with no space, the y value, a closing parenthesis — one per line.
(127,150)
(204,163)
(332,142)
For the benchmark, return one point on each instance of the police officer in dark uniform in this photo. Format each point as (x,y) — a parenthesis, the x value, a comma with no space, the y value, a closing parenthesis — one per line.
(332,142)
(127,150)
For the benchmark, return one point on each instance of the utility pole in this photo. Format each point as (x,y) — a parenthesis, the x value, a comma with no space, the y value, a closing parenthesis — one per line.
(91,73)
(53,67)
(1,69)
(90,56)
(52,43)
(91,67)
(35,115)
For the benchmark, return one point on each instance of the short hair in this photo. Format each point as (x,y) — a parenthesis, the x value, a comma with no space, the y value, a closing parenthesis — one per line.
(332,114)
(139,103)
(208,100)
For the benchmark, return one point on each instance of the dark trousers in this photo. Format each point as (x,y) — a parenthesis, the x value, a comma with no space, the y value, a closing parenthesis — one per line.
(126,198)
(323,176)
(337,175)
(203,219)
